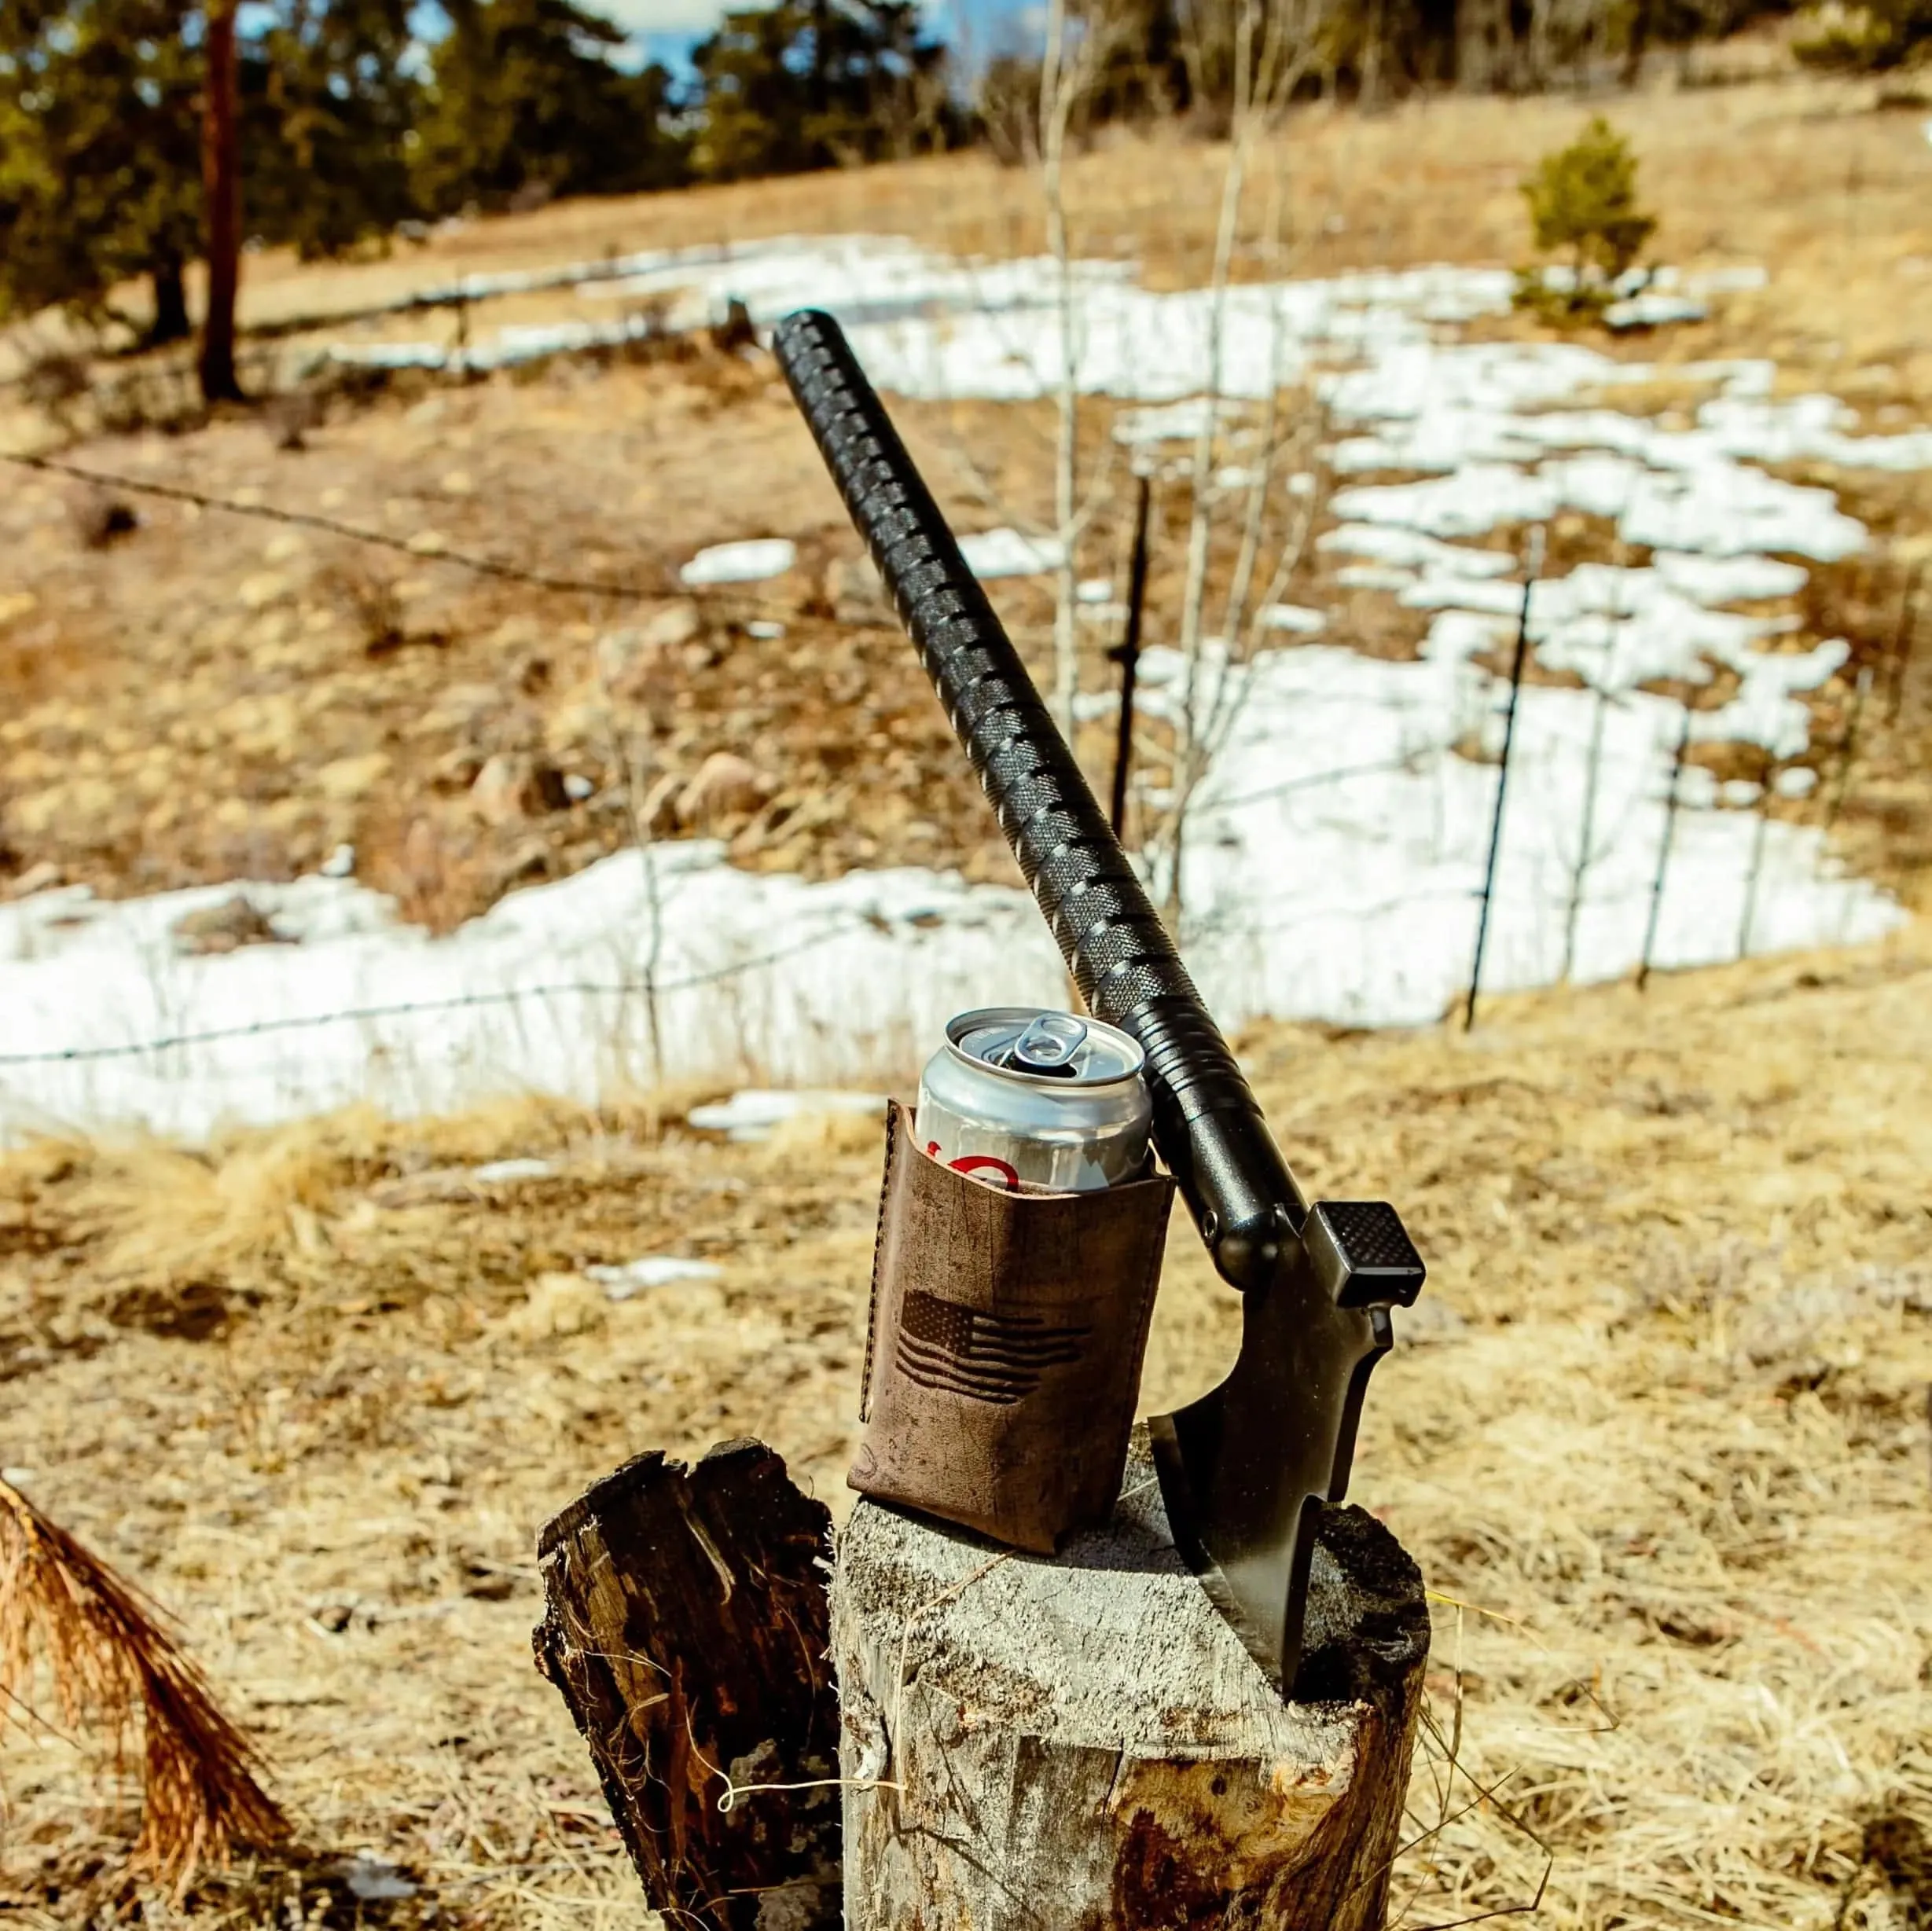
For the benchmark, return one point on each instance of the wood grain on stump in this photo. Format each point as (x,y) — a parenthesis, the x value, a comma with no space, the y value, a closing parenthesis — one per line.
(686,1626)
(1080,1741)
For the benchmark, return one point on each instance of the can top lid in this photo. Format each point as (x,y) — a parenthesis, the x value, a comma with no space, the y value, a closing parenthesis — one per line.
(1041,1046)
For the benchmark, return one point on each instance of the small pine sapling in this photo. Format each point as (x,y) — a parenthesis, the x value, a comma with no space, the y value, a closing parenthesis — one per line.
(1583,203)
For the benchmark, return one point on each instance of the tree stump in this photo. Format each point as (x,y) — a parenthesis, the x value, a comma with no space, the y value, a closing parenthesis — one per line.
(685,1625)
(1081,1741)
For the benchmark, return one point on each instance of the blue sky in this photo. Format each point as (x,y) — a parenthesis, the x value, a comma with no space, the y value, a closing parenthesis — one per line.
(667,30)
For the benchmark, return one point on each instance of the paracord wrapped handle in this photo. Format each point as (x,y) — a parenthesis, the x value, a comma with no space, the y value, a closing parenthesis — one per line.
(1206,1123)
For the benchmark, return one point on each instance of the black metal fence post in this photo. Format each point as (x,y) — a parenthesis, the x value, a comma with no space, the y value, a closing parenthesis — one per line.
(1126,653)
(1533,568)
(1663,850)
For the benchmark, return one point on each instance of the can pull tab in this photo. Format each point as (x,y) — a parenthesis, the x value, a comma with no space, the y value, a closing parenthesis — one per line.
(1048,1044)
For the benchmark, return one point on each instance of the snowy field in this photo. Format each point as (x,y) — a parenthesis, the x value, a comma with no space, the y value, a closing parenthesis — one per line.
(1336,847)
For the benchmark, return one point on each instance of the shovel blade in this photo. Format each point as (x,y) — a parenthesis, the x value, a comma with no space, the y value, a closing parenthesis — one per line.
(1245,1470)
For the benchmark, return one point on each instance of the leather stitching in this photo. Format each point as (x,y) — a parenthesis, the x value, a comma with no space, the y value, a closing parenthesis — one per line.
(894,1112)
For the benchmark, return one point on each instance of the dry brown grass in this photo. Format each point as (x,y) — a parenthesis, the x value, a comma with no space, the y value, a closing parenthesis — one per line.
(1656,1435)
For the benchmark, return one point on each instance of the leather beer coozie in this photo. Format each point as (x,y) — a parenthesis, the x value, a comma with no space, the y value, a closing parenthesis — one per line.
(1003,1349)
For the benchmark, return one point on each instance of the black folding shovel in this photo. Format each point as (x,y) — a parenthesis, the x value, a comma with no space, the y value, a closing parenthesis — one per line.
(1243,1469)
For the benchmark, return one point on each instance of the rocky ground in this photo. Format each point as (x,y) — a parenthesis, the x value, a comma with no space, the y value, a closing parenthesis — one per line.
(208,695)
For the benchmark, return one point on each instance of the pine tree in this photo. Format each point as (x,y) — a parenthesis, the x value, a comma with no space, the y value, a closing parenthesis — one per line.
(885,94)
(754,101)
(522,96)
(1881,34)
(100,166)
(819,83)
(101,173)
(329,105)
(1583,200)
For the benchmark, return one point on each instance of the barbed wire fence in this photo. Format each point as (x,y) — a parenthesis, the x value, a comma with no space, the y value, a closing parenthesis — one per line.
(48,364)
(659,583)
(392,1009)
(494,568)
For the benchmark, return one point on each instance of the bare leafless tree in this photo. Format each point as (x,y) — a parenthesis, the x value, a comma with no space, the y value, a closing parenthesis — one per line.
(1253,57)
(1080,41)
(1266,49)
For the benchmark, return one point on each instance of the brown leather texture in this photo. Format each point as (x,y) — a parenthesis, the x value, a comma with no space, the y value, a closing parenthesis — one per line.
(1003,1354)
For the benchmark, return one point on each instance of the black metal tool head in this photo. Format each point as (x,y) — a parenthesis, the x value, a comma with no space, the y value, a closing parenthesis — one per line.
(1242,1469)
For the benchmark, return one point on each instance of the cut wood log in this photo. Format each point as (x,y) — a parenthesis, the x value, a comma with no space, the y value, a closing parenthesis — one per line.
(1080,1741)
(686,1626)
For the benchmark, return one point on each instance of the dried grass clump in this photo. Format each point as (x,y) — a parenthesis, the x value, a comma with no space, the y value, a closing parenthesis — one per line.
(111,1665)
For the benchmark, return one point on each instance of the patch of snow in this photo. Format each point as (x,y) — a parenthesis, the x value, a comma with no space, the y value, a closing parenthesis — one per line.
(1735,511)
(1374,826)
(372,1880)
(1727,579)
(1718,509)
(1297,619)
(547,990)
(502,1170)
(339,863)
(1408,549)
(577,788)
(1654,309)
(1471,502)
(1806,427)
(752,1114)
(1172,422)
(765,628)
(1007,553)
(1374,577)
(1453,591)
(620,1282)
(753,561)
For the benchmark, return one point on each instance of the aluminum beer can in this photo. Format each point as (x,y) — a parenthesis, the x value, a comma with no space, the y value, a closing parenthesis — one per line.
(1024,1096)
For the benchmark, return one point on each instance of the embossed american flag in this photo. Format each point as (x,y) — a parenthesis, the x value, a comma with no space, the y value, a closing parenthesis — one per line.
(988,1357)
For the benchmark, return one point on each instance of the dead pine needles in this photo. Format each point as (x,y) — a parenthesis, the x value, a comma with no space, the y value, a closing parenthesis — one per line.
(111,1667)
